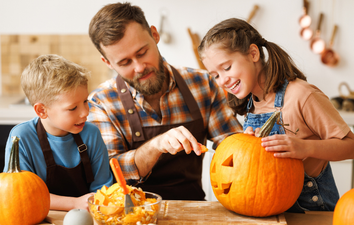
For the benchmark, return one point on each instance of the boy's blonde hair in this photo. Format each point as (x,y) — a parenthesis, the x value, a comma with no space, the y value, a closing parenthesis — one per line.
(50,75)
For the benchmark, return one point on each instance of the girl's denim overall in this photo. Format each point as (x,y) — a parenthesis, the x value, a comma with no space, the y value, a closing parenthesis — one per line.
(319,193)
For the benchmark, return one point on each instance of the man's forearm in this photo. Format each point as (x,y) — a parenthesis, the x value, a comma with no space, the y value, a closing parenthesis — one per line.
(146,157)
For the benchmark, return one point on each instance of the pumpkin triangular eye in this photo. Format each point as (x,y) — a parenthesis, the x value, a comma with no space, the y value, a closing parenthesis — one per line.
(229,161)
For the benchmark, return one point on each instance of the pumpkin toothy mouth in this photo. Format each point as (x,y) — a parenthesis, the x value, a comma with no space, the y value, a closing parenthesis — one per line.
(225,187)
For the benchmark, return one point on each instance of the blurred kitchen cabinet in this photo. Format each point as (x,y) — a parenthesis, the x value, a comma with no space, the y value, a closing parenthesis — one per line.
(4,133)
(343,175)
(17,51)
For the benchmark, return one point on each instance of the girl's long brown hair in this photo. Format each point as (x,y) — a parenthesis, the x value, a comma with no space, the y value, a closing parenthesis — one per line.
(236,35)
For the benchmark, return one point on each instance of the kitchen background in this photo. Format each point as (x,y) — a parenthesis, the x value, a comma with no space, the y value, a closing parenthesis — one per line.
(31,28)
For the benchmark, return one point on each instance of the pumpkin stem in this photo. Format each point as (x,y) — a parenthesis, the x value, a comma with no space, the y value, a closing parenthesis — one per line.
(268,125)
(14,161)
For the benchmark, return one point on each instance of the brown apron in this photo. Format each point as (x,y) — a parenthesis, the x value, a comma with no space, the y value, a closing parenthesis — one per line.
(174,177)
(64,181)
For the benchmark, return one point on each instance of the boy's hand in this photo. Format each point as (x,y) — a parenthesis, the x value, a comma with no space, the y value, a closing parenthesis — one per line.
(81,202)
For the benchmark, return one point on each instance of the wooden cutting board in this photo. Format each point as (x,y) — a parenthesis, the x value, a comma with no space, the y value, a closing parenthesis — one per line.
(54,217)
(191,212)
(208,212)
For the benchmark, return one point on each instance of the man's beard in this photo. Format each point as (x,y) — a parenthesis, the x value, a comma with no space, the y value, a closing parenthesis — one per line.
(150,86)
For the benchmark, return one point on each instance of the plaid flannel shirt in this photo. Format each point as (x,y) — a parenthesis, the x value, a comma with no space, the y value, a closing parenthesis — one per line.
(108,114)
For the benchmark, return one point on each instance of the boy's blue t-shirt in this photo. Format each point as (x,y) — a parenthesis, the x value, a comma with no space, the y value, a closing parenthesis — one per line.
(64,150)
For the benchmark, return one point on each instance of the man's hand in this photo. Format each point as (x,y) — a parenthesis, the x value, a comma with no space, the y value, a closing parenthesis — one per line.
(171,142)
(176,140)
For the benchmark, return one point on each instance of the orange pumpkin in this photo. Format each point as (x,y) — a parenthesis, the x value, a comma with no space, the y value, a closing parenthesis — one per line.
(344,210)
(250,181)
(24,195)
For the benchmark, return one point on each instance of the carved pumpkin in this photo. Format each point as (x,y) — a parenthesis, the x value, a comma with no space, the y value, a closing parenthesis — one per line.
(250,181)
(24,195)
(344,210)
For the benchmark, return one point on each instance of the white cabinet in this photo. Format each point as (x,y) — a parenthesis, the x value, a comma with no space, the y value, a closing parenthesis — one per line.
(343,171)
(209,194)
(343,175)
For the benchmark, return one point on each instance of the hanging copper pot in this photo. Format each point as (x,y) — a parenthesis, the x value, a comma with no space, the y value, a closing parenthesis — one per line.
(306,33)
(317,45)
(305,22)
(328,56)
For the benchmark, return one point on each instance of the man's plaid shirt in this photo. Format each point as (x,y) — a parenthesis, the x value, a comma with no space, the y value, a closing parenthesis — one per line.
(107,112)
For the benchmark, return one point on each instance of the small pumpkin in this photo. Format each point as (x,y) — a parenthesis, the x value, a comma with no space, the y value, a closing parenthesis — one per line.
(248,180)
(344,211)
(24,195)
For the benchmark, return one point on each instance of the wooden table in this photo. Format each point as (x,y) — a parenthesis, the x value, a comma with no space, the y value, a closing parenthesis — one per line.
(210,212)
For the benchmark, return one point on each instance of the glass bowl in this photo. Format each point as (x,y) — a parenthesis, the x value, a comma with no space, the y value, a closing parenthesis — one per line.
(114,215)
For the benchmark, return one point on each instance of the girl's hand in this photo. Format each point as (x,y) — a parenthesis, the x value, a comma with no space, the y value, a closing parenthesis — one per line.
(249,130)
(285,146)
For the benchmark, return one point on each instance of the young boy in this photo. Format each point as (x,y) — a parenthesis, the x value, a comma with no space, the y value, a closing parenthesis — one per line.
(58,145)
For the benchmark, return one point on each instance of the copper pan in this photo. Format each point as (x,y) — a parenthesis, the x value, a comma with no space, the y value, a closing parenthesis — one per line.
(305,22)
(328,56)
(317,45)
(306,33)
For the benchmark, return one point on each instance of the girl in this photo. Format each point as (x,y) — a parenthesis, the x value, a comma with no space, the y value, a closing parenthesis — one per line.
(232,51)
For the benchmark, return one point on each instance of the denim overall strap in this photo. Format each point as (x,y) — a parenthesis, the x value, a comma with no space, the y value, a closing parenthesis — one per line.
(279,96)
(278,102)
(250,103)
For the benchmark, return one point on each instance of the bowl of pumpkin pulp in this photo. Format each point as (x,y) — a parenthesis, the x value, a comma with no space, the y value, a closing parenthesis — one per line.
(106,206)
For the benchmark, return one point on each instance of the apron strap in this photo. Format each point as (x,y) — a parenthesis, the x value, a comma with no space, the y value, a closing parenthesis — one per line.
(133,114)
(48,155)
(187,95)
(130,110)
(43,141)
(82,148)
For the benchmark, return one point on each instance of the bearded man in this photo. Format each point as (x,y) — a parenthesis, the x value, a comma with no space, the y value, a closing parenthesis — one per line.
(152,115)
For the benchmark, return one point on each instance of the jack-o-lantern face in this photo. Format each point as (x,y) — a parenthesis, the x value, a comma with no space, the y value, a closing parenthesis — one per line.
(251,181)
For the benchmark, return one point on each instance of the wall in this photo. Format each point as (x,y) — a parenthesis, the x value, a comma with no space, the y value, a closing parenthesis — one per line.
(17,51)
(276,20)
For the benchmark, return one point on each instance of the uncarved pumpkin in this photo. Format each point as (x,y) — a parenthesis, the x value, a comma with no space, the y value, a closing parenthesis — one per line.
(248,180)
(24,195)
(344,210)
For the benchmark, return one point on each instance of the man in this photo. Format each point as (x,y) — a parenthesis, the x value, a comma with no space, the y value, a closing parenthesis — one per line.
(152,116)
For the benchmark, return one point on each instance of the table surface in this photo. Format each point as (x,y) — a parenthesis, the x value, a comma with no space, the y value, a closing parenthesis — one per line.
(190,214)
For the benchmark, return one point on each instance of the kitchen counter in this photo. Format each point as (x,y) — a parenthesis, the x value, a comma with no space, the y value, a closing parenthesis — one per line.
(212,212)
(12,113)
